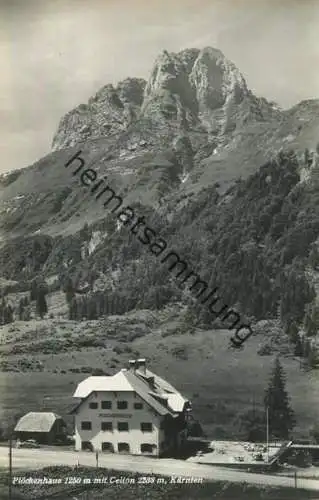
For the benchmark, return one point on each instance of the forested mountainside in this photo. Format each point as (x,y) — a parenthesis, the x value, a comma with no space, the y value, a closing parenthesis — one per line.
(228,179)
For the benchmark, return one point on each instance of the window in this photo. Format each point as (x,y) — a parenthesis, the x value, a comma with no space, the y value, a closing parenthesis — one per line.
(106,426)
(121,405)
(147,448)
(122,426)
(138,406)
(106,405)
(123,448)
(93,406)
(108,447)
(86,446)
(146,427)
(86,426)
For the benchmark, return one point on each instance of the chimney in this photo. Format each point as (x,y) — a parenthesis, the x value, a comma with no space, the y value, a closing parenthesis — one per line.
(141,363)
(132,364)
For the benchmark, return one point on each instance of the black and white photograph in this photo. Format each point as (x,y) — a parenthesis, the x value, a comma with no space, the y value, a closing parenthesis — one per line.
(159,250)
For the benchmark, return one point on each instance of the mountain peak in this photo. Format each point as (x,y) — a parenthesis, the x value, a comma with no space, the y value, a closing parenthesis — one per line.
(193,91)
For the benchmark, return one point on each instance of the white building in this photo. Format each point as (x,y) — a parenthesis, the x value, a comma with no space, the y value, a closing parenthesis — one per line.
(133,411)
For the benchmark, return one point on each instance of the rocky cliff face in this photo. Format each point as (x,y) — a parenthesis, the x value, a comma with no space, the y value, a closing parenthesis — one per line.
(108,112)
(193,91)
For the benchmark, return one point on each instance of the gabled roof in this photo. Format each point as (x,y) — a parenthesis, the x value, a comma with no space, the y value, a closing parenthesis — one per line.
(143,390)
(116,383)
(164,389)
(154,390)
(36,422)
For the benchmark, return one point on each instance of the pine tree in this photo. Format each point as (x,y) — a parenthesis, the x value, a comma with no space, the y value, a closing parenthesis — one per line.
(298,350)
(295,293)
(9,313)
(69,290)
(313,258)
(91,308)
(34,289)
(38,291)
(281,416)
(41,303)
(311,320)
(73,309)
(21,309)
(292,331)
(26,313)
(312,356)
(83,309)
(6,312)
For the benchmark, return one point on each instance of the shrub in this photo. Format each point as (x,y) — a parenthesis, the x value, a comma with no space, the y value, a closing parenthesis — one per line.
(265,350)
(180,352)
(118,350)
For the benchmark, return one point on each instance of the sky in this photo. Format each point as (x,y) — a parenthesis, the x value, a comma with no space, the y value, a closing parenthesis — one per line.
(54,54)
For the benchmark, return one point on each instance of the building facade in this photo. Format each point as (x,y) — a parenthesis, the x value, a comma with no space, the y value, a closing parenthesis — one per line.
(133,411)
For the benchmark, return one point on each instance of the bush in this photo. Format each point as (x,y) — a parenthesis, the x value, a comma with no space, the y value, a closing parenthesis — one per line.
(98,372)
(180,352)
(265,350)
(118,350)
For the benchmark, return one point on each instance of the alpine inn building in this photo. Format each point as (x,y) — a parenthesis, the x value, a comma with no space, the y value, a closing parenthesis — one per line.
(133,411)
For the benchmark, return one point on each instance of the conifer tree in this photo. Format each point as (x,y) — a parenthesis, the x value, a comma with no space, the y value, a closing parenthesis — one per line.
(73,309)
(281,416)
(314,257)
(34,289)
(298,349)
(6,312)
(21,309)
(39,289)
(69,290)
(311,320)
(311,356)
(292,331)
(41,303)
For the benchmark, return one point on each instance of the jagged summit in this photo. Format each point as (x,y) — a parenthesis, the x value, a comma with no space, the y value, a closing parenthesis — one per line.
(194,91)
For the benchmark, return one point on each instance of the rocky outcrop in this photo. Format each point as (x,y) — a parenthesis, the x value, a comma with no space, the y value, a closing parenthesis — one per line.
(192,91)
(108,112)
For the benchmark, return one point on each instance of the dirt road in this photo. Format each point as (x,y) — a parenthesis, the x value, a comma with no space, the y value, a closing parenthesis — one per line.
(35,458)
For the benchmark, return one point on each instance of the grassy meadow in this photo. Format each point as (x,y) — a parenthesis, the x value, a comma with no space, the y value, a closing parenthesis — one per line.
(41,362)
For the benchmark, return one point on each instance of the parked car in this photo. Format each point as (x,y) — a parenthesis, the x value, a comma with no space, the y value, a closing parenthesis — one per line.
(303,441)
(29,443)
